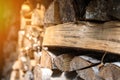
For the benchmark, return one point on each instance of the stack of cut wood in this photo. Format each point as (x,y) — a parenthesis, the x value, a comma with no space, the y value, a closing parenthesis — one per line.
(72,40)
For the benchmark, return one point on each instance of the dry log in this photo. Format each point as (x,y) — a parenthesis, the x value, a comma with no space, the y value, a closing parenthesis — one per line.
(37,73)
(38,15)
(110,72)
(78,63)
(46,61)
(97,10)
(52,15)
(63,62)
(85,35)
(67,13)
(42,73)
(60,11)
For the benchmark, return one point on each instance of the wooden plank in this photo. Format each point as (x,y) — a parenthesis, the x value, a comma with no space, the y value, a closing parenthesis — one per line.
(85,35)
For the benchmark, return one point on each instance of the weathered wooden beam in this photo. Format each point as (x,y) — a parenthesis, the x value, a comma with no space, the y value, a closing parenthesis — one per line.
(85,35)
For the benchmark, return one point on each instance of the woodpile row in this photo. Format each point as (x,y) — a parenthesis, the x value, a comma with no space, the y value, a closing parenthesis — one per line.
(68,40)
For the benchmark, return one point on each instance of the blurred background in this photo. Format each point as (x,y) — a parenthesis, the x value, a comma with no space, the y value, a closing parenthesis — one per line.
(9,25)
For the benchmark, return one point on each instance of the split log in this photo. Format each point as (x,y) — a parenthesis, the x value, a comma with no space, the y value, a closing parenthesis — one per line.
(46,61)
(38,15)
(97,10)
(63,62)
(67,13)
(52,15)
(85,35)
(79,63)
(60,11)
(42,73)
(37,73)
(110,72)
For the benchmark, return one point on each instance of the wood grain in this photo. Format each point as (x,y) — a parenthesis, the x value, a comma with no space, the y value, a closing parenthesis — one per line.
(85,35)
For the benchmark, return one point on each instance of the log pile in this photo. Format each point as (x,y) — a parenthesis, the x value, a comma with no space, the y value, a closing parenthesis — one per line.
(70,40)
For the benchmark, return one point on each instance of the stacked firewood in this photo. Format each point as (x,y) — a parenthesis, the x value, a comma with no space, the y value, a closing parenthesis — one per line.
(69,40)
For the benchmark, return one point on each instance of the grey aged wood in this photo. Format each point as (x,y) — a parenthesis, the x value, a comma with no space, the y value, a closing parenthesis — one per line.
(78,63)
(85,35)
(97,10)
(110,72)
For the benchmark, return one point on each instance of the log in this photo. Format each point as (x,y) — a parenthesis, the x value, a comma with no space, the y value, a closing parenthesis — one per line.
(42,73)
(46,61)
(85,35)
(37,73)
(52,15)
(110,72)
(67,13)
(97,10)
(78,63)
(60,11)
(63,62)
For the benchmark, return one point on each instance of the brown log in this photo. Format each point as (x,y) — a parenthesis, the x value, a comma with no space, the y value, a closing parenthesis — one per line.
(85,35)
(60,12)
(42,73)
(78,63)
(97,10)
(67,13)
(110,72)
(52,15)
(63,62)
(46,61)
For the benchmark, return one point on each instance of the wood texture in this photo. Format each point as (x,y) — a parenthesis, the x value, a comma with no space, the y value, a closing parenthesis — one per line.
(46,61)
(52,15)
(85,35)
(110,72)
(78,63)
(97,10)
(63,62)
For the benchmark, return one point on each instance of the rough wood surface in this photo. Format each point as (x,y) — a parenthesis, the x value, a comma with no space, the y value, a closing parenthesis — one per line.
(52,15)
(46,61)
(78,63)
(110,72)
(85,35)
(63,62)
(97,10)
